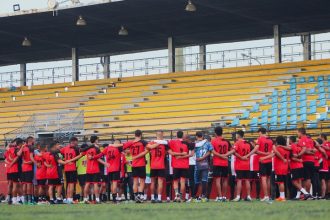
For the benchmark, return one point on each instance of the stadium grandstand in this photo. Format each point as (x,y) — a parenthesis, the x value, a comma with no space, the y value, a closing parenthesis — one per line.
(281,87)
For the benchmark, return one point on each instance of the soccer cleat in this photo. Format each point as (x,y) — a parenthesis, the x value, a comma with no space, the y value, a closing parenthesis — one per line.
(248,199)
(279,199)
(265,199)
(168,200)
(224,199)
(159,201)
(203,199)
(153,201)
(237,199)
(86,202)
(308,197)
(51,202)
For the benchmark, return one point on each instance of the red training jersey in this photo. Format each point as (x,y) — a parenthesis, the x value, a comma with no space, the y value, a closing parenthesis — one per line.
(295,150)
(51,159)
(10,155)
(280,167)
(113,157)
(136,148)
(92,164)
(265,145)
(68,153)
(242,148)
(157,156)
(41,172)
(309,144)
(221,146)
(326,146)
(254,162)
(27,150)
(179,146)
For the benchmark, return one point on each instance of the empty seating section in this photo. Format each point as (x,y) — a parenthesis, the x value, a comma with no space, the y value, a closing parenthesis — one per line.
(280,96)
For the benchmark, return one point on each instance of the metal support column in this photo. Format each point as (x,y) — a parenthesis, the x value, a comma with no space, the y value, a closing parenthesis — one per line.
(307,46)
(22,69)
(171,55)
(106,66)
(75,65)
(277,44)
(179,60)
(202,57)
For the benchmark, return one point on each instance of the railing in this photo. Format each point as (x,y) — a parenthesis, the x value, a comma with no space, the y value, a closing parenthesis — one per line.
(157,65)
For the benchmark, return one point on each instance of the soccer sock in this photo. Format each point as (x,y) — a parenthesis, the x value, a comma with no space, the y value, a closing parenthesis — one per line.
(152,196)
(159,197)
(85,199)
(176,191)
(187,196)
(282,195)
(238,196)
(298,194)
(20,198)
(114,197)
(97,199)
(303,191)
(14,199)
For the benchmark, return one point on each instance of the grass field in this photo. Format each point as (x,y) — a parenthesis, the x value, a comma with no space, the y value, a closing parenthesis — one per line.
(304,210)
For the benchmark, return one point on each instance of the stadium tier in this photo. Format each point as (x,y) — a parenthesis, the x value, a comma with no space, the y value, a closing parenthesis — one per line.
(280,96)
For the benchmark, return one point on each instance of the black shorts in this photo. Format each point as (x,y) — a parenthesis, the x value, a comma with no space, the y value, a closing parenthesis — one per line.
(14,177)
(41,182)
(309,170)
(139,172)
(220,171)
(169,178)
(93,178)
(54,182)
(71,176)
(297,174)
(265,169)
(82,179)
(324,175)
(158,173)
(180,173)
(104,178)
(254,175)
(243,174)
(280,178)
(27,177)
(114,176)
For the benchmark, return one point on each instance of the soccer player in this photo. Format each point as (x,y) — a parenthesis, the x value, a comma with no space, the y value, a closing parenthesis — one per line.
(104,176)
(221,151)
(41,174)
(92,171)
(81,164)
(243,151)
(265,145)
(71,152)
(158,149)
(113,154)
(128,180)
(307,154)
(297,168)
(203,149)
(281,165)
(27,170)
(11,159)
(323,167)
(326,147)
(179,149)
(138,151)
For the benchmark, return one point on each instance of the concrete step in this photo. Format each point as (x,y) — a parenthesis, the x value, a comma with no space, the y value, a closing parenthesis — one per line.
(157,87)
(106,119)
(139,99)
(100,125)
(128,106)
(248,103)
(148,93)
(119,112)
(166,81)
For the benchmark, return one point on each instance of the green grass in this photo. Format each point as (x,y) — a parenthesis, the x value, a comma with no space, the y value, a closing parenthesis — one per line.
(239,211)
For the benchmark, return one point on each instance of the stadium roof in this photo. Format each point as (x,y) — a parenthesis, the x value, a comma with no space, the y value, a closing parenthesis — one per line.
(150,23)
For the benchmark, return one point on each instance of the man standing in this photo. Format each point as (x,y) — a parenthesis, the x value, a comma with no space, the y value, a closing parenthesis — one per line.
(265,145)
(203,149)
(27,170)
(71,152)
(179,149)
(221,151)
(138,151)
(158,149)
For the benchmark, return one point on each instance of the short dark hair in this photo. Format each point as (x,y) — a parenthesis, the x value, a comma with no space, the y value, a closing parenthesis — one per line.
(280,140)
(105,145)
(28,138)
(319,141)
(51,145)
(19,141)
(73,139)
(199,134)
(293,139)
(93,139)
(179,134)
(324,136)
(262,130)
(240,133)
(302,130)
(218,130)
(138,133)
(84,145)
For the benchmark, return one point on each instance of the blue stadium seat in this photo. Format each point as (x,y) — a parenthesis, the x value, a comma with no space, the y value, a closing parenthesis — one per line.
(293,86)
(235,122)
(303,103)
(274,112)
(320,78)
(293,98)
(254,121)
(264,121)
(293,119)
(293,80)
(273,120)
(255,108)
(275,92)
(274,99)
(312,103)
(302,97)
(264,114)
(322,96)
(284,105)
(283,119)
(311,79)
(245,115)
(293,92)
(274,106)
(323,116)
(284,111)
(293,104)
(303,110)
(303,118)
(311,91)
(312,109)
(320,83)
(284,98)
(312,125)
(293,111)
(322,102)
(302,80)
(264,100)
(284,93)
(302,91)
(321,90)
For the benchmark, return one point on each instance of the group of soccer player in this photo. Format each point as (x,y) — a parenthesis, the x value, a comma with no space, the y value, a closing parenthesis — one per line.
(39,173)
